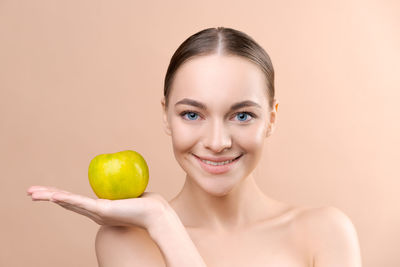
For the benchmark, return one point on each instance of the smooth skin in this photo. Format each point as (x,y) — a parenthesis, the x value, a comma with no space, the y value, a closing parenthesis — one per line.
(216,219)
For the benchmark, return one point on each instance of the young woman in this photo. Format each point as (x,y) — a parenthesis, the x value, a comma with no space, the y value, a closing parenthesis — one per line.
(219,108)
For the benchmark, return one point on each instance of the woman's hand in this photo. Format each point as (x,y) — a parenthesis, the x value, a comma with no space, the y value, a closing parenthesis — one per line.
(143,211)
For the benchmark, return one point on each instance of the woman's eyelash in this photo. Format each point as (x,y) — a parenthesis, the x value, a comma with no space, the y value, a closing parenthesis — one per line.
(253,116)
(240,112)
(186,112)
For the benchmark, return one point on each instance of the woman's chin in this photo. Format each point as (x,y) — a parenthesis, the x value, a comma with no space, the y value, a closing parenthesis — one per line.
(218,190)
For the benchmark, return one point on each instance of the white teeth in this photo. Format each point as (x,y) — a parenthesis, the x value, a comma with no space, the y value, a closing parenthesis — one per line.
(217,163)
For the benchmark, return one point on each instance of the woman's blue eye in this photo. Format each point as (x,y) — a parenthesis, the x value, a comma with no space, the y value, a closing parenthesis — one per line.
(191,115)
(242,116)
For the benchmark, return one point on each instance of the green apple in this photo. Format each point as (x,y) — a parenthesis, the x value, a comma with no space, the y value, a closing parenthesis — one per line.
(118,175)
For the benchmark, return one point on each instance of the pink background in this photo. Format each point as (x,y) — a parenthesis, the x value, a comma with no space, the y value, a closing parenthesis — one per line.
(82,78)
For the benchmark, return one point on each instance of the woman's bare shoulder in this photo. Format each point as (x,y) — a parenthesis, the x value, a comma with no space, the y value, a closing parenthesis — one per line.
(330,235)
(120,246)
(318,218)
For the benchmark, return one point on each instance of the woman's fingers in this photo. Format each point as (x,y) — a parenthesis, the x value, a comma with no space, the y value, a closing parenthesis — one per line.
(60,196)
(77,203)
(42,195)
(65,197)
(36,188)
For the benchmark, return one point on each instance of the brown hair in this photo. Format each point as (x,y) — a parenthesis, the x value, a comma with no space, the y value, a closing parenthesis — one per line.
(224,41)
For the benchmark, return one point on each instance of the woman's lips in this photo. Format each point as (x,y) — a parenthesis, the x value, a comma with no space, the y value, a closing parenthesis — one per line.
(217,169)
(220,159)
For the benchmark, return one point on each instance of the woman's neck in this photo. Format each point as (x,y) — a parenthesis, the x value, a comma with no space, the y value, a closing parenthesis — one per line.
(243,206)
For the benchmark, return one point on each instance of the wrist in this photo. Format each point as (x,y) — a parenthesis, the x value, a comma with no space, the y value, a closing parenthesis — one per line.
(174,242)
(165,221)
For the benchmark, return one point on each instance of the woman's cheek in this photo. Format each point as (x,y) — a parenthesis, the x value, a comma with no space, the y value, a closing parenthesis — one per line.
(251,137)
(183,135)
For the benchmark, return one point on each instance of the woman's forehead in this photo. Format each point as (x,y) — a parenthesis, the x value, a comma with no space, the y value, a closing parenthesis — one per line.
(218,77)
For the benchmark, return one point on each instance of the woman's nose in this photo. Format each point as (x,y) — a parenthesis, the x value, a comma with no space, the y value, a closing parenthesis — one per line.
(217,137)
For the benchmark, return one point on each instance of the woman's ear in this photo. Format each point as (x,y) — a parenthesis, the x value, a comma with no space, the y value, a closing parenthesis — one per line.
(167,128)
(272,118)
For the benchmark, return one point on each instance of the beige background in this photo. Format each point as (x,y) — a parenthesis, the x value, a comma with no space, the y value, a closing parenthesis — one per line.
(82,78)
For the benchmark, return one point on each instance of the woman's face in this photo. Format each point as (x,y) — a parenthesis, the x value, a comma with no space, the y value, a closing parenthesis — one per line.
(218,110)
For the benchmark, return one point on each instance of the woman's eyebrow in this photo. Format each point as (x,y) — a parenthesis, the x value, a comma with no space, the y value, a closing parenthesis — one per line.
(191,102)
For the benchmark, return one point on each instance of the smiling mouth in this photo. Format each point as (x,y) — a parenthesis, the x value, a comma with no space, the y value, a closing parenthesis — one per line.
(217,168)
(218,163)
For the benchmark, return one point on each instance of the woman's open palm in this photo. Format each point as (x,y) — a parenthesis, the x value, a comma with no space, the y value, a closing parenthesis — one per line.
(142,211)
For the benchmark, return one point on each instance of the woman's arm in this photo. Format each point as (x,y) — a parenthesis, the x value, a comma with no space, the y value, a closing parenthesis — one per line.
(165,243)
(174,242)
(150,212)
